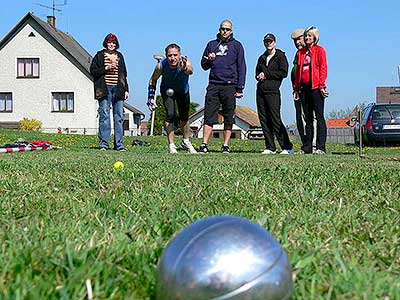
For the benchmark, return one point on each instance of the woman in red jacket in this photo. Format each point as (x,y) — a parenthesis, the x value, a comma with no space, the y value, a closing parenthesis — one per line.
(311,75)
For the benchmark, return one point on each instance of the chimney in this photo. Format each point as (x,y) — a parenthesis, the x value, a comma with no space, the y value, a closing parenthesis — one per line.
(51,20)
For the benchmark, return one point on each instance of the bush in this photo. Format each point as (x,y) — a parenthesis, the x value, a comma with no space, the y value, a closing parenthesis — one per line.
(30,124)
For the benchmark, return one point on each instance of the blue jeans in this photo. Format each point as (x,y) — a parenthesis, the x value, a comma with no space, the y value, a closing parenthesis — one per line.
(104,119)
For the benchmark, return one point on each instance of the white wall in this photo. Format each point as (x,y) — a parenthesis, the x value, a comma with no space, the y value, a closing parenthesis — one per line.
(133,130)
(32,97)
(239,125)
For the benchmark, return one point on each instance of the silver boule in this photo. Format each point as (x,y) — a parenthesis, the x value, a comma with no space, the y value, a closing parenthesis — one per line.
(224,258)
(170,92)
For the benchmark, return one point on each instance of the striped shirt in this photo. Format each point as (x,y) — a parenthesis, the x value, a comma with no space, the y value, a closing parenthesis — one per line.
(111,76)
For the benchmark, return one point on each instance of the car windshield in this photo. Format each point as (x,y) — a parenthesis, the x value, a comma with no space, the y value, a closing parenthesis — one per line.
(383,112)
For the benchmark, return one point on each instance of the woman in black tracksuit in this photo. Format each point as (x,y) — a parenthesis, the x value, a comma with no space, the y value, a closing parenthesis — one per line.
(272,68)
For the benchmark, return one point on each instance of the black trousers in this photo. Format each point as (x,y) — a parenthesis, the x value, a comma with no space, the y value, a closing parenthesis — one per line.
(182,100)
(300,118)
(269,113)
(314,103)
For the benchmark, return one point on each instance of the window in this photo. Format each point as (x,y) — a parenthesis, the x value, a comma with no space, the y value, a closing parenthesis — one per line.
(27,67)
(63,102)
(6,104)
(380,113)
(125,124)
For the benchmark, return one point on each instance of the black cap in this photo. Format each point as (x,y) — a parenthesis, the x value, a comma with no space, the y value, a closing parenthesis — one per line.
(269,37)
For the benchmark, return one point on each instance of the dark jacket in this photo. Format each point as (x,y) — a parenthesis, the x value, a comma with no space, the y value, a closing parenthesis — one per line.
(293,72)
(275,72)
(229,67)
(98,71)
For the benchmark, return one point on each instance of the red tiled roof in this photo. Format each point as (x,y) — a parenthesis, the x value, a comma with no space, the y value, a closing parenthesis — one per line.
(337,123)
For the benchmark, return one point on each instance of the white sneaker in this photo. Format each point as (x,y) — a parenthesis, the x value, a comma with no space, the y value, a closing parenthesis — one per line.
(286,152)
(188,147)
(267,151)
(172,149)
(319,152)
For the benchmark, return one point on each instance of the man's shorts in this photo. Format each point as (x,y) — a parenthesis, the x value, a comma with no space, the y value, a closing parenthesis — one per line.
(220,96)
(182,101)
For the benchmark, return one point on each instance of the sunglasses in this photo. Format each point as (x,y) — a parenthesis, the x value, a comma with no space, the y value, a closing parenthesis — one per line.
(268,41)
(225,29)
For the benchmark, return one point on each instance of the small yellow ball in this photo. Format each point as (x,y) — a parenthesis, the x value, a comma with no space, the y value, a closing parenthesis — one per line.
(119,165)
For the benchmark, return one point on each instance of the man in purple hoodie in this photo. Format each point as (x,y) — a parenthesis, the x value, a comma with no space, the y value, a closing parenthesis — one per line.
(224,57)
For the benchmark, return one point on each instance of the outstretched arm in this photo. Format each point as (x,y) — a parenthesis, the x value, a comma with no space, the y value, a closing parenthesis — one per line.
(186,65)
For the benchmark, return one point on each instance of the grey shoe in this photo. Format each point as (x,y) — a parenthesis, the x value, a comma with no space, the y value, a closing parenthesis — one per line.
(287,152)
(268,152)
(319,152)
(172,149)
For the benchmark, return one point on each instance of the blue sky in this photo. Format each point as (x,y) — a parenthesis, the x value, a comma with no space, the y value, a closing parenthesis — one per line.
(362,38)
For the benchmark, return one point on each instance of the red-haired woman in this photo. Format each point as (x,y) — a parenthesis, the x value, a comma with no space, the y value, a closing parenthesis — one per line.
(311,75)
(111,89)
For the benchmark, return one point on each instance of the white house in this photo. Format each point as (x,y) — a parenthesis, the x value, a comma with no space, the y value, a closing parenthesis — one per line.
(45,76)
(247,124)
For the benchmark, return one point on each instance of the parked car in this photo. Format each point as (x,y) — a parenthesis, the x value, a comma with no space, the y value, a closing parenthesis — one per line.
(380,124)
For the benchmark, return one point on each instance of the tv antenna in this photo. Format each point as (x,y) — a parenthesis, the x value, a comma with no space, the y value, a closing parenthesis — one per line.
(54,7)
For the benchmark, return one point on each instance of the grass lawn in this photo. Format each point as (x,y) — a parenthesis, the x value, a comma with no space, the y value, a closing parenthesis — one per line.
(68,219)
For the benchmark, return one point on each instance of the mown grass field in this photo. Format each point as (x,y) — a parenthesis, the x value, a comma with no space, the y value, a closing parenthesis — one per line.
(68,219)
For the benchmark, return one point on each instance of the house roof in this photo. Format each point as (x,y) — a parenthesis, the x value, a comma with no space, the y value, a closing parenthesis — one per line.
(133,109)
(73,50)
(246,114)
(337,123)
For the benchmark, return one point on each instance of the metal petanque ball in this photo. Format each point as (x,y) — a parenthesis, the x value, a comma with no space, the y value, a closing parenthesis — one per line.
(224,258)
(169,92)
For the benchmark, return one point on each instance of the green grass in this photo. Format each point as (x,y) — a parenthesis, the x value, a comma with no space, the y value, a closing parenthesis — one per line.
(67,216)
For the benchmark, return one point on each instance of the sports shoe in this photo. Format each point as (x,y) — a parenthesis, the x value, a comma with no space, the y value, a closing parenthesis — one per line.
(103,149)
(267,151)
(313,150)
(301,152)
(225,149)
(203,148)
(188,147)
(121,150)
(172,149)
(286,152)
(319,152)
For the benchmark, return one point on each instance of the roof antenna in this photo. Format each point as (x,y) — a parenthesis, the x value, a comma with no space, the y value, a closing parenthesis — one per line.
(54,7)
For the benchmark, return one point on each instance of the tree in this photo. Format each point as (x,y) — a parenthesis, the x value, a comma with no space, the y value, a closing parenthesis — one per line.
(159,120)
(347,113)
(340,113)
(193,108)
